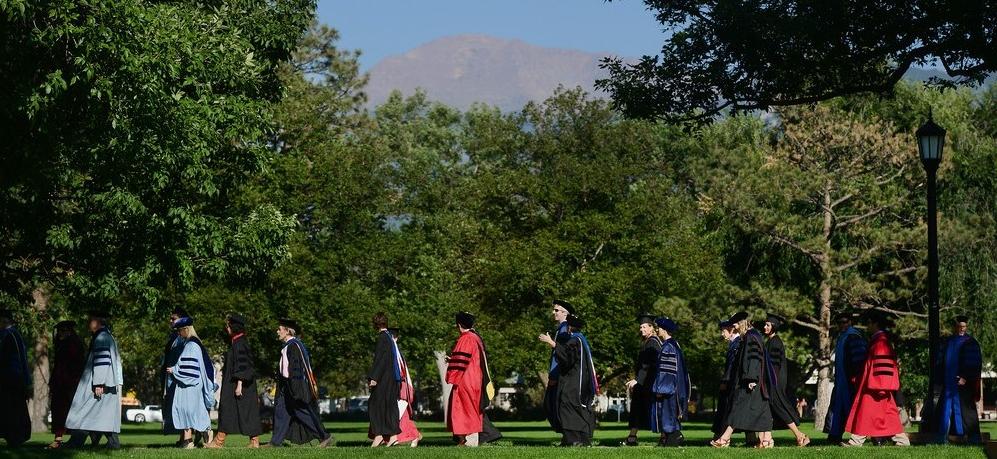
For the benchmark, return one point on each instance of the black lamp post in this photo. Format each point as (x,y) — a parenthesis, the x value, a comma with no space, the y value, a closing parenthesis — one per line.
(930,140)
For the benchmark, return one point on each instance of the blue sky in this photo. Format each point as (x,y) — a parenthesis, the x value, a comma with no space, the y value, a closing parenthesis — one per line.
(381,28)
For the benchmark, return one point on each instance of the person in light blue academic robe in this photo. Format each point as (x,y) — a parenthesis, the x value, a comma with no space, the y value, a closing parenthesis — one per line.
(171,355)
(96,407)
(671,387)
(191,389)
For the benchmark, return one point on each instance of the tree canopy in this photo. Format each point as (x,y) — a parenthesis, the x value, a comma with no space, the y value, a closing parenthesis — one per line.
(756,54)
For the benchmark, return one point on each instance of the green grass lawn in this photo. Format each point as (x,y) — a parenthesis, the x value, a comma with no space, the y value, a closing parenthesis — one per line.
(522,439)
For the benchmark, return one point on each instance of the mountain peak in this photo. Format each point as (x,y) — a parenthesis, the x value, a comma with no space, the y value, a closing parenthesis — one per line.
(462,69)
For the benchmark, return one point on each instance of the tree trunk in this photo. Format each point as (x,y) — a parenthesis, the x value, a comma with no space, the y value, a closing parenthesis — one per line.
(38,405)
(824,346)
(441,365)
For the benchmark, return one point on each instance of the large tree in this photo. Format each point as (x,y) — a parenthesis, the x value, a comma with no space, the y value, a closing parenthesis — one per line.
(755,54)
(128,127)
(827,215)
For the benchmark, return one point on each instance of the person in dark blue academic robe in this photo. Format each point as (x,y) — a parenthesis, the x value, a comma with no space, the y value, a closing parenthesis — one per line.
(671,387)
(849,362)
(296,416)
(15,382)
(561,310)
(960,364)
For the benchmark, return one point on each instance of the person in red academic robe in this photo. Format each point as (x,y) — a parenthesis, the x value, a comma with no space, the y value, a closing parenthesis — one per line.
(70,356)
(874,411)
(464,372)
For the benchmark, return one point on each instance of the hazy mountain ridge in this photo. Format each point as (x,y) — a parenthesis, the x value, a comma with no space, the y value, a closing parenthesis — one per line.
(464,69)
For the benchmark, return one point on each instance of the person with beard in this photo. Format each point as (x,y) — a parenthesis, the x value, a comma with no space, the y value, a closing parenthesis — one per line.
(960,363)
(577,384)
(728,329)
(239,405)
(190,389)
(783,411)
(15,383)
(465,371)
(561,310)
(671,386)
(749,406)
(96,408)
(384,380)
(296,416)
(68,361)
(874,411)
(641,396)
(849,359)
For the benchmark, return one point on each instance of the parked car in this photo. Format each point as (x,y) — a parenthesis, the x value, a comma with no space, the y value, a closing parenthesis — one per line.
(357,404)
(149,413)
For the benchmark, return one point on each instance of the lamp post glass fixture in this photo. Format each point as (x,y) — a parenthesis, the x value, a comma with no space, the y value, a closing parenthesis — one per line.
(930,140)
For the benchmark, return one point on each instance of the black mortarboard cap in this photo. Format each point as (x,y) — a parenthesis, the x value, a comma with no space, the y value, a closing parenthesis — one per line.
(881,318)
(960,318)
(464,319)
(289,323)
(180,312)
(850,315)
(737,317)
(576,322)
(564,304)
(236,319)
(645,318)
(666,324)
(776,320)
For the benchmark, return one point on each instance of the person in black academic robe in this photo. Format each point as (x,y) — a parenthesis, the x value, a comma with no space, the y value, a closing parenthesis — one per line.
(733,340)
(749,392)
(15,382)
(384,380)
(68,361)
(561,310)
(784,413)
(239,405)
(953,407)
(577,385)
(642,397)
(489,433)
(296,416)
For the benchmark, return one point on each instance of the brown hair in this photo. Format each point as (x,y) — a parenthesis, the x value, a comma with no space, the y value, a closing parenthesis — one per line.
(380,320)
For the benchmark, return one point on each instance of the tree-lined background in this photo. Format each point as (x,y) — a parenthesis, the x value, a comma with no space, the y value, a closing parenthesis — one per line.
(219,156)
